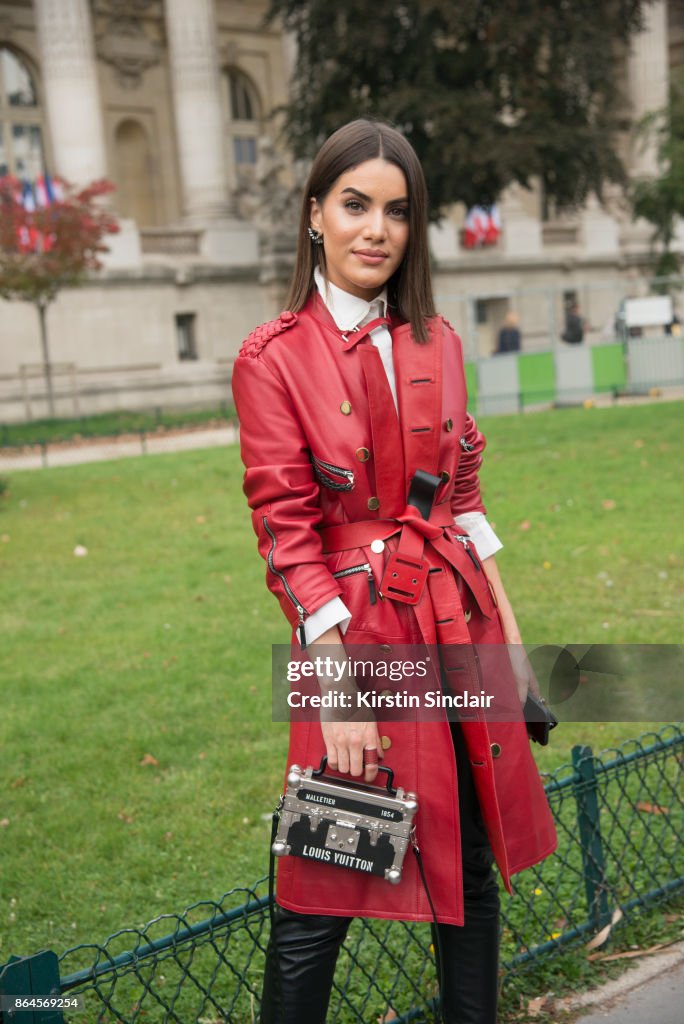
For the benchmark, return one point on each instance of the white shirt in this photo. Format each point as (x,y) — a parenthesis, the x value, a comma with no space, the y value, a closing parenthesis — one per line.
(349,311)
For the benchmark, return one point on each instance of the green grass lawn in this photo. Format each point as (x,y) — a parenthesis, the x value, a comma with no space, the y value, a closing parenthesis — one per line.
(138,756)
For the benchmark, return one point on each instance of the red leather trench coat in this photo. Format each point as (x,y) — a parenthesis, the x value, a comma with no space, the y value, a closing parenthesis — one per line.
(323,447)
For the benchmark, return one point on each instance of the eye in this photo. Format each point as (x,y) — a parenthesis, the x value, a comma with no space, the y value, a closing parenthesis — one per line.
(353,205)
(399,212)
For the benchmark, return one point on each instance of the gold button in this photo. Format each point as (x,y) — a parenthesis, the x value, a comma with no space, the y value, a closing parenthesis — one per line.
(377,546)
(446,477)
(385,742)
(345,408)
(449,425)
(468,614)
(385,648)
(362,454)
(496,749)
(373,504)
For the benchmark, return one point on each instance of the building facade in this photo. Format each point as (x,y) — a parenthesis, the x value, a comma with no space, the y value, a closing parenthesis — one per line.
(173,101)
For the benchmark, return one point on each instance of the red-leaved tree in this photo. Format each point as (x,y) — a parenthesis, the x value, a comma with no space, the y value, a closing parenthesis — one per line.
(50,247)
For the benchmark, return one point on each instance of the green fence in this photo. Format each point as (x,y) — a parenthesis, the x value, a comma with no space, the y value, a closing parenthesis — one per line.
(575,374)
(619,819)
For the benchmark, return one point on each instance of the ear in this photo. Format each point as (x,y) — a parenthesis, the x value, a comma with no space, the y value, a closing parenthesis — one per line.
(315,215)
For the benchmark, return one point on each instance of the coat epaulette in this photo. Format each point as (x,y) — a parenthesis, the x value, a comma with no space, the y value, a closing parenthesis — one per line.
(261,335)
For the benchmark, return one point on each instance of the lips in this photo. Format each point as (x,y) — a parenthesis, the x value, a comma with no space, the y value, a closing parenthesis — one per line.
(371,257)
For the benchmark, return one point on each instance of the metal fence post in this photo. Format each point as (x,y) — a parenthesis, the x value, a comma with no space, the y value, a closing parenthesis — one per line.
(593,861)
(36,975)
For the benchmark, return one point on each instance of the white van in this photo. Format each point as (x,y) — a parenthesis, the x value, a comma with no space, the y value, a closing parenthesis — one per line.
(636,317)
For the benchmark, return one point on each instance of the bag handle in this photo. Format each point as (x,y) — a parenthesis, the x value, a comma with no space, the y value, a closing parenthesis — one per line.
(357,785)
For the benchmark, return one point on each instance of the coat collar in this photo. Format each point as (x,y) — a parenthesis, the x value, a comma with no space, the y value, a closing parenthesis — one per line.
(347,310)
(348,338)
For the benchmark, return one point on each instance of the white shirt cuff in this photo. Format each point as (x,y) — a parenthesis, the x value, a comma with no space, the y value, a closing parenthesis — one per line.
(332,613)
(483,537)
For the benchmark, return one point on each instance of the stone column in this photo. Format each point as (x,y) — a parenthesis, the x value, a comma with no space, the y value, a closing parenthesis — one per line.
(65,39)
(648,79)
(196,83)
(522,229)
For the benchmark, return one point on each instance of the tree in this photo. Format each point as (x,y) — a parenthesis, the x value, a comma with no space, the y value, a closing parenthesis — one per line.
(661,200)
(47,247)
(488,93)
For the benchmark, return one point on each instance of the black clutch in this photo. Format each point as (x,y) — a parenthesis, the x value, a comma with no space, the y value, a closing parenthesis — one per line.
(539,719)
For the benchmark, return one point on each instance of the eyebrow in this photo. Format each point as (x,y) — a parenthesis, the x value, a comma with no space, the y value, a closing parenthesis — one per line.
(362,195)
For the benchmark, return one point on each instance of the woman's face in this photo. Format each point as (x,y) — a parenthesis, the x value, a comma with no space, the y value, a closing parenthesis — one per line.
(364,223)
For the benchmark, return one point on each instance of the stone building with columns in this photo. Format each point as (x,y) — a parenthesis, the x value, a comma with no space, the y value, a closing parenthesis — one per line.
(173,101)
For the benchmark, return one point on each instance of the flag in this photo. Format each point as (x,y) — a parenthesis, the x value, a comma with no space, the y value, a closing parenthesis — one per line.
(28,196)
(43,190)
(38,195)
(482,226)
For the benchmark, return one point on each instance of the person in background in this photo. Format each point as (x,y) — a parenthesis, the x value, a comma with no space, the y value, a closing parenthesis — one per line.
(509,335)
(574,326)
(674,327)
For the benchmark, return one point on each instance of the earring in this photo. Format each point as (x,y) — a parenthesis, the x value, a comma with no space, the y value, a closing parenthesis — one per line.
(315,236)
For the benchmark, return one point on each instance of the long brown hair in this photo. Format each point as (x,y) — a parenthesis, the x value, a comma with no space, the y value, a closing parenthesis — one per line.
(409,290)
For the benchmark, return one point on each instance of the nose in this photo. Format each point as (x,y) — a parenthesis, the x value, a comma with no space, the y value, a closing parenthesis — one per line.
(375,227)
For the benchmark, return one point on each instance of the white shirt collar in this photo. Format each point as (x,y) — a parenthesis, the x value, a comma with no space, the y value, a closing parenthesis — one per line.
(347,310)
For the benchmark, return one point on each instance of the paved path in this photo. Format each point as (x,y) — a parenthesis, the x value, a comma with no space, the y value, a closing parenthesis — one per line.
(652,993)
(656,1002)
(110,448)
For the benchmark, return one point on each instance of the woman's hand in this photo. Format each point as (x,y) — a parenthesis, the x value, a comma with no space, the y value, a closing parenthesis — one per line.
(346,731)
(345,743)
(525,679)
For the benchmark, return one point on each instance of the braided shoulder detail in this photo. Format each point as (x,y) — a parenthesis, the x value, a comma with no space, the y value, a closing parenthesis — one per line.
(260,336)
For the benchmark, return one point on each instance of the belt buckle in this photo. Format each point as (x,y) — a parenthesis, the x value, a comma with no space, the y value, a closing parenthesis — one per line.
(404,578)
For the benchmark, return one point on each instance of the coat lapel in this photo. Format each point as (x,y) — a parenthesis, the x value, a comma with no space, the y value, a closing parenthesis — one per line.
(418,370)
(410,442)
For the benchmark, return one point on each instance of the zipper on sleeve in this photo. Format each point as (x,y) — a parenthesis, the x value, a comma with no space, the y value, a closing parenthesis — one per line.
(353,570)
(301,611)
(465,445)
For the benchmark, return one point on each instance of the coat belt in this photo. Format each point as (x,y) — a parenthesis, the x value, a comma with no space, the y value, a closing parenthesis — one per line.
(414,533)
(362,533)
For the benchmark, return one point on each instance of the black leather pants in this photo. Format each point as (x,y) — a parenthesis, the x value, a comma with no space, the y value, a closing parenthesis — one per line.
(297,985)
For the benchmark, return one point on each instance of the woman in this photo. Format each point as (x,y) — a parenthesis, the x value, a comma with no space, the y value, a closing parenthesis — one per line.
(341,400)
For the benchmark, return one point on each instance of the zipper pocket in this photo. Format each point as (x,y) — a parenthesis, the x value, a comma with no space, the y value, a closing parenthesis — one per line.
(301,611)
(464,539)
(353,570)
(322,471)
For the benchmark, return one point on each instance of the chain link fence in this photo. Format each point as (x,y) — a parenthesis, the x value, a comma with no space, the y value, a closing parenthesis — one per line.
(619,816)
